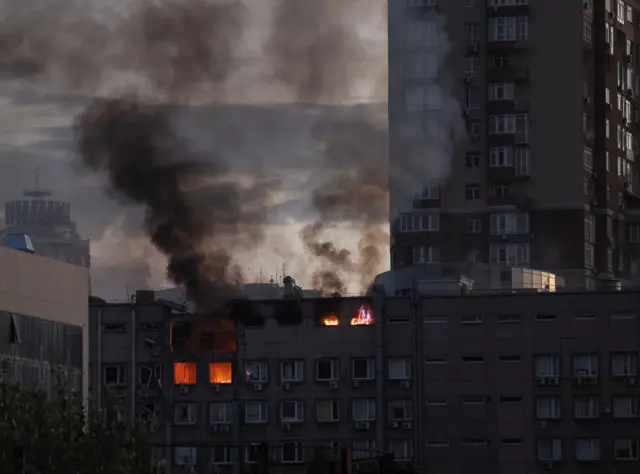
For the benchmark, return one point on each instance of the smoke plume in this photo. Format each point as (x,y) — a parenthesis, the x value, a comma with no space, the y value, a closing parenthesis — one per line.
(194,214)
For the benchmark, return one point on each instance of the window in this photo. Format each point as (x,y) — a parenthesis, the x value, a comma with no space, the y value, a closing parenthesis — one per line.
(400,369)
(625,407)
(501,156)
(364,409)
(587,407)
(419,222)
(326,370)
(471,32)
(473,160)
(547,366)
(472,359)
(221,455)
(420,66)
(586,29)
(512,441)
(150,373)
(625,449)
(585,365)
(515,255)
(435,319)
(589,228)
(425,254)
(472,98)
(474,226)
(185,413)
(113,327)
(255,371)
(471,319)
(474,400)
(472,192)
(363,449)
(437,443)
(548,408)
(509,223)
(219,412)
(402,450)
(185,456)
(252,453)
(587,449)
(292,370)
(363,369)
(400,410)
(436,401)
(624,365)
(184,373)
(501,91)
(510,124)
(255,412)
(292,452)
(470,66)
(588,256)
(510,358)
(587,155)
(500,191)
(423,97)
(550,449)
(474,442)
(510,399)
(622,315)
(291,411)
(114,375)
(327,411)
(220,372)
(506,3)
(509,318)
(435,360)
(621,12)
(508,28)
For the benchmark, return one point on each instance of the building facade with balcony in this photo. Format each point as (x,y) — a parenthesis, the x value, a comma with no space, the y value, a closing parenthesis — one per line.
(504,382)
(547,175)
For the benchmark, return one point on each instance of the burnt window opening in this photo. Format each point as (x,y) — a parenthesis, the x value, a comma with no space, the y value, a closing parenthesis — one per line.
(151,325)
(246,313)
(180,333)
(289,313)
(113,327)
(327,312)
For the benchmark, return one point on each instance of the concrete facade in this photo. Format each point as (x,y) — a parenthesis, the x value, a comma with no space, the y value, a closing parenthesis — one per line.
(45,302)
(443,382)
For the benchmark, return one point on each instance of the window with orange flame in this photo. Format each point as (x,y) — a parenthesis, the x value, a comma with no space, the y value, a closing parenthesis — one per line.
(220,372)
(184,373)
(364,317)
(330,320)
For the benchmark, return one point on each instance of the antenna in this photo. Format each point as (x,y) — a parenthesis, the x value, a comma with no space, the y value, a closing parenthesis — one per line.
(36,192)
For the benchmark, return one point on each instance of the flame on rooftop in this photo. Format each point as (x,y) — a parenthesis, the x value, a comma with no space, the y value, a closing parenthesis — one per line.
(330,320)
(364,317)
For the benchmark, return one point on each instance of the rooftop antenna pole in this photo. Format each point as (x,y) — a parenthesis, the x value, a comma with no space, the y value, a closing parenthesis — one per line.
(37,192)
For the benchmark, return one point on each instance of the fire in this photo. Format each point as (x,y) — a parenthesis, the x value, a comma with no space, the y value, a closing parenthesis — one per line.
(331,320)
(364,317)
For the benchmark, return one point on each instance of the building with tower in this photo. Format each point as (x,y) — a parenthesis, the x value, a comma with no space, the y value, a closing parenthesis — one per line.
(49,225)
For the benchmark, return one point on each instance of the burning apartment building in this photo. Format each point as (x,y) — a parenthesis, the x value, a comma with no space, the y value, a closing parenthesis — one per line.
(442,381)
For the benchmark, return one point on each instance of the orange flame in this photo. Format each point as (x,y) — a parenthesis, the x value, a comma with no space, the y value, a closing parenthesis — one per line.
(331,320)
(364,317)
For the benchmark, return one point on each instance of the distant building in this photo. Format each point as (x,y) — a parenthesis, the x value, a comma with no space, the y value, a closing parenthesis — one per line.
(43,319)
(502,382)
(49,225)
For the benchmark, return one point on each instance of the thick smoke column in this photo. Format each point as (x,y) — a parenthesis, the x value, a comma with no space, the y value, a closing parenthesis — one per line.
(194,214)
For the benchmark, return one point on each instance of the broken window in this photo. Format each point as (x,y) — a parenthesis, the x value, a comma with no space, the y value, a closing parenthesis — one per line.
(150,373)
(184,373)
(220,372)
(114,375)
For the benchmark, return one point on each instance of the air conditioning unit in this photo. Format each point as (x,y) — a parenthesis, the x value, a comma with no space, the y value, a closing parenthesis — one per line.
(541,381)
(215,387)
(548,465)
(553,381)
(475,137)
(393,424)
(472,47)
(286,386)
(286,427)
(542,425)
(587,100)
(214,429)
(184,390)
(355,384)
(257,387)
(362,425)
(406,426)
(333,385)
(609,107)
(591,380)
(494,8)
(631,381)
(606,410)
(224,429)
(405,384)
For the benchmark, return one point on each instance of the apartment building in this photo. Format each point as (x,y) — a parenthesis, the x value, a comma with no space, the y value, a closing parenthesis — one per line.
(501,382)
(547,175)
(43,319)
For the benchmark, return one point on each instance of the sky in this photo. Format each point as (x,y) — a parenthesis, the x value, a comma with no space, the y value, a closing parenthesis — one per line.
(245,124)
